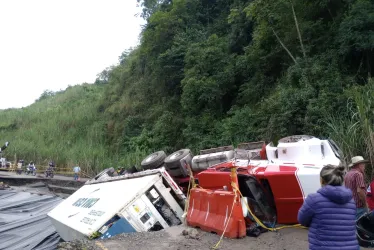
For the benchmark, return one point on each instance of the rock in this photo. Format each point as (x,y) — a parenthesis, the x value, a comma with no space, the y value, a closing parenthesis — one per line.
(191,233)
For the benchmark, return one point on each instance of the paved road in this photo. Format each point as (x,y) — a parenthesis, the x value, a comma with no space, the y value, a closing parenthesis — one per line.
(38,176)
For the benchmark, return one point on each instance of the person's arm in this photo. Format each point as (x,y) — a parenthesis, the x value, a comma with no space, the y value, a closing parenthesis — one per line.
(361,189)
(306,212)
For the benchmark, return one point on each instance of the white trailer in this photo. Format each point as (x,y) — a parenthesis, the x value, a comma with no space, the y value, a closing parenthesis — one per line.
(106,206)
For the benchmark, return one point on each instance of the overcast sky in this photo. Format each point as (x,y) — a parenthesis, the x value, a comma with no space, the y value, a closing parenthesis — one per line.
(50,44)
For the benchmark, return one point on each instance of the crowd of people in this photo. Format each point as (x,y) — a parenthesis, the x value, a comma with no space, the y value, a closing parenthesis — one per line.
(30,168)
(332,212)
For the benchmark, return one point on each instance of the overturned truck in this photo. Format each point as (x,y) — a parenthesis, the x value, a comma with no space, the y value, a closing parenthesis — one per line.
(270,188)
(272,182)
(234,188)
(109,205)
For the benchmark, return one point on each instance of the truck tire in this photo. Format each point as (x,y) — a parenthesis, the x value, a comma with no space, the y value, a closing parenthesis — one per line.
(174,165)
(154,160)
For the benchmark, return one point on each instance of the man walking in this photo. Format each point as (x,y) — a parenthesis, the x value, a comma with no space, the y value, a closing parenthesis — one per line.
(355,181)
(76,171)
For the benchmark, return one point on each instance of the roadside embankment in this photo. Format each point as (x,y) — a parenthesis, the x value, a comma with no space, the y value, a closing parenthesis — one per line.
(59,185)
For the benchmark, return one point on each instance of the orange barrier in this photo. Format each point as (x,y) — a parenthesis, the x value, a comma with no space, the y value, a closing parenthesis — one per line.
(216,211)
(215,180)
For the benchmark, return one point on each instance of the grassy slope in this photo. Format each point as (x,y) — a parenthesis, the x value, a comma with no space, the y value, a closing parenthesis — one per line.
(65,127)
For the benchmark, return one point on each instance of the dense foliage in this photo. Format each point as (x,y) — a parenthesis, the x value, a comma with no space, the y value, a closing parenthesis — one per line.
(213,72)
(217,72)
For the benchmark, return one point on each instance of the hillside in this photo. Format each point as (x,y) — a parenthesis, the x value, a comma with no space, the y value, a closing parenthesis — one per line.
(209,73)
(64,126)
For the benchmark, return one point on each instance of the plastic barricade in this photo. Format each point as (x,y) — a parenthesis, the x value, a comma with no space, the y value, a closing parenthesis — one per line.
(214,180)
(210,211)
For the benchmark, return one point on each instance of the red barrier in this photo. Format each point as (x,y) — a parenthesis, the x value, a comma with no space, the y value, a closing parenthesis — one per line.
(210,211)
(214,180)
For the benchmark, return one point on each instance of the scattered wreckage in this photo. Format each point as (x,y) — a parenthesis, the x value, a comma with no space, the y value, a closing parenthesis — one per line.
(233,188)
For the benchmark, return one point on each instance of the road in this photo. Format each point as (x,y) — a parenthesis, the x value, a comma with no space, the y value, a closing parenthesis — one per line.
(12,174)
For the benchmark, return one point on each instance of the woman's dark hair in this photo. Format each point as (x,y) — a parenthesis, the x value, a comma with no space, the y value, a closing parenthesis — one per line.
(333,175)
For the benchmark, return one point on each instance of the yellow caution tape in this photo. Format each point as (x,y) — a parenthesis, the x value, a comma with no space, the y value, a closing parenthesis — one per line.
(236,191)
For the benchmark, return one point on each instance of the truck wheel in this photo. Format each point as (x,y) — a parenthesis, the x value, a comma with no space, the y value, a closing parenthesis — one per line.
(154,160)
(174,159)
(174,165)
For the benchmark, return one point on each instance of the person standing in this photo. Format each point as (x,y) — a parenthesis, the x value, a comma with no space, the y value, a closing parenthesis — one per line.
(19,167)
(355,181)
(330,213)
(76,171)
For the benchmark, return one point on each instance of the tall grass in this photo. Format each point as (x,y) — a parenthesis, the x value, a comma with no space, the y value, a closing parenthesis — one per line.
(353,130)
(66,128)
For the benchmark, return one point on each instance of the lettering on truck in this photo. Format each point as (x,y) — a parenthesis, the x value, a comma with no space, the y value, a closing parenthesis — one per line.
(88,221)
(96,213)
(86,202)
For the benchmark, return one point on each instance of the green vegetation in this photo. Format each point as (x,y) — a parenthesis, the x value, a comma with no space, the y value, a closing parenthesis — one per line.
(214,72)
(65,127)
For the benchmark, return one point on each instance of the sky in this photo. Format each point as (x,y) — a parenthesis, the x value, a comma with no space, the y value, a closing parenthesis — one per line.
(51,44)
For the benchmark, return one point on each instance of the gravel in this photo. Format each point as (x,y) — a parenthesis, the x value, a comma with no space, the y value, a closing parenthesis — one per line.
(182,238)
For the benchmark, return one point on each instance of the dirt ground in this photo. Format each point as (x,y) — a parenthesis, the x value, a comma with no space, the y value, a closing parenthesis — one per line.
(172,239)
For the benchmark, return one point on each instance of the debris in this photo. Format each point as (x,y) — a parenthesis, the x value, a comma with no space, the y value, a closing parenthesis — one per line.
(191,233)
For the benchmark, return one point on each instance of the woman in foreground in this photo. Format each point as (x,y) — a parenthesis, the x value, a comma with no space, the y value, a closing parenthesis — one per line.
(330,213)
